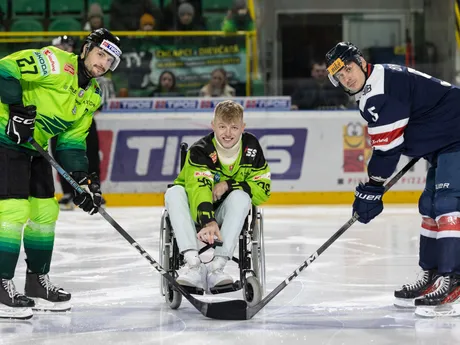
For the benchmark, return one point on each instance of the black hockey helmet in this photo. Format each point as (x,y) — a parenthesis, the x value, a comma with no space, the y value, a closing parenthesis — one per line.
(63,40)
(107,41)
(337,57)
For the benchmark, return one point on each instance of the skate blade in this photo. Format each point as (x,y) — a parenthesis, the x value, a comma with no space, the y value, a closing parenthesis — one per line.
(44,305)
(404,303)
(438,311)
(7,312)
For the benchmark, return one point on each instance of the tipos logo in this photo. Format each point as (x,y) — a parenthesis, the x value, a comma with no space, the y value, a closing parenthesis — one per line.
(357,149)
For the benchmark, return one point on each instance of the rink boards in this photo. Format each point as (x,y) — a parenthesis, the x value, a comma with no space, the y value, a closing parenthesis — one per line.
(315,157)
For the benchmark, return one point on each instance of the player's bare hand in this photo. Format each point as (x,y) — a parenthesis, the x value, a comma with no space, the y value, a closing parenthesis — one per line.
(209,232)
(219,190)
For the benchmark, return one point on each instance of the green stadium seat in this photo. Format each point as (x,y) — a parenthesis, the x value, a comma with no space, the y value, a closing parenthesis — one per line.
(217,4)
(27,24)
(65,24)
(4,6)
(28,8)
(214,21)
(59,7)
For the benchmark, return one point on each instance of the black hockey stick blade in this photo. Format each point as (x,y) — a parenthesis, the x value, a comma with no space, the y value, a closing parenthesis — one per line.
(256,308)
(227,310)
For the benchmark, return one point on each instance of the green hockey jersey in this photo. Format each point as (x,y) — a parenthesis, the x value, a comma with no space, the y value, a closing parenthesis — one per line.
(48,79)
(202,170)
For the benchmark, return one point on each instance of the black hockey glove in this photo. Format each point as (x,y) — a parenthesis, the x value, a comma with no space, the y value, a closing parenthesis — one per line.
(21,123)
(91,199)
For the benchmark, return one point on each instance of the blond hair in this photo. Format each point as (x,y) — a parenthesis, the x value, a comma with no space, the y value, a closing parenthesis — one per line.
(228,111)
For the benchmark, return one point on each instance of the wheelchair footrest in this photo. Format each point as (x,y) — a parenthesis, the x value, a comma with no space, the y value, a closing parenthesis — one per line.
(226,288)
(193,290)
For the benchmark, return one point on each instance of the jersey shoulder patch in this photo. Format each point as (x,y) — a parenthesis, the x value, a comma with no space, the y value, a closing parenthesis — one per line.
(375,85)
(203,152)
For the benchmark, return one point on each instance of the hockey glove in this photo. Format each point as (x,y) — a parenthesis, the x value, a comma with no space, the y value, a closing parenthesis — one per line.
(21,123)
(368,202)
(91,199)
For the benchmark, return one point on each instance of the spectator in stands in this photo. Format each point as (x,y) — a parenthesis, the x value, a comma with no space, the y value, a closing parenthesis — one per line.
(171,15)
(166,86)
(95,18)
(187,20)
(218,85)
(125,14)
(238,18)
(147,22)
(317,92)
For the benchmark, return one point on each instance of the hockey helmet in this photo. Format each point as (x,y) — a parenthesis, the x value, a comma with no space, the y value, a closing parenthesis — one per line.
(337,57)
(104,39)
(63,40)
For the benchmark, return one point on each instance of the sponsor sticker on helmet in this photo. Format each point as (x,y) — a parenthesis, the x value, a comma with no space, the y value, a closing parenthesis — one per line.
(111,48)
(335,66)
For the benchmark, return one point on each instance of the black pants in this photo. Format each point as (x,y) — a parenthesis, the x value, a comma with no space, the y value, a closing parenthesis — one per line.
(92,152)
(22,175)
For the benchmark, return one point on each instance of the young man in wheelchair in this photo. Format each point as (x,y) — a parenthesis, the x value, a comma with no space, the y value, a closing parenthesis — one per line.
(224,173)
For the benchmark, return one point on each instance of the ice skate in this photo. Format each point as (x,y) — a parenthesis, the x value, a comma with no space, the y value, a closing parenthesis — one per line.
(404,298)
(66,203)
(14,305)
(47,296)
(443,301)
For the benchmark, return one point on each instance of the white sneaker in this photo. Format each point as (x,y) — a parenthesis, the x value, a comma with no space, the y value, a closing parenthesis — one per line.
(216,274)
(193,273)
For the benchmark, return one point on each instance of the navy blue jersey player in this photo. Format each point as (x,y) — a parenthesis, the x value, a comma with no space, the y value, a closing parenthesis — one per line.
(414,114)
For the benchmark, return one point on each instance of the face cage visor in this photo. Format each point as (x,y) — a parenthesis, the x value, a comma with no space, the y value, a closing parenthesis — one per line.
(113,50)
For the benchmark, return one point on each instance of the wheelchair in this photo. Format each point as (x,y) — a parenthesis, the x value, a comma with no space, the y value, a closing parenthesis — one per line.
(250,259)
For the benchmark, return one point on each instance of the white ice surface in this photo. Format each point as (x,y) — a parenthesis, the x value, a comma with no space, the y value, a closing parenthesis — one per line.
(345,297)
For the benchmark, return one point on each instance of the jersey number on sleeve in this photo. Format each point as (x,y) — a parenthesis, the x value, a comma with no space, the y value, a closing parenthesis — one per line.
(25,65)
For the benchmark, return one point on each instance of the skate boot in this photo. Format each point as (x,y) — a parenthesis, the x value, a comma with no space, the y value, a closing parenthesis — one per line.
(66,203)
(47,296)
(193,274)
(404,298)
(443,301)
(216,276)
(14,305)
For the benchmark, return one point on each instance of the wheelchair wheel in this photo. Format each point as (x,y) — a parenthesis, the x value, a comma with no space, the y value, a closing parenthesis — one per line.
(172,297)
(252,291)
(258,249)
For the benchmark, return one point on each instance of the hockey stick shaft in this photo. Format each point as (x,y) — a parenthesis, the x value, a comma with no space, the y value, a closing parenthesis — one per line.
(255,309)
(199,305)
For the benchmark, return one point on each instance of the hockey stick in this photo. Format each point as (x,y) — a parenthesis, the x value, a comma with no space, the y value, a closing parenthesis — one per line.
(251,311)
(227,310)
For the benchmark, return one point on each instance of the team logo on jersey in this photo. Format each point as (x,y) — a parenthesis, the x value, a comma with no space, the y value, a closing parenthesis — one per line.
(263,176)
(213,157)
(367,89)
(69,69)
(206,174)
(43,66)
(357,148)
(53,61)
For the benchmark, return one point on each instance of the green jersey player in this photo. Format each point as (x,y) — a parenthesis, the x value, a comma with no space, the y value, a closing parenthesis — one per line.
(224,173)
(44,93)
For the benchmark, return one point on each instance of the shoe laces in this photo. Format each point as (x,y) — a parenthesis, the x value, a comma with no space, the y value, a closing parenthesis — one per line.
(419,283)
(45,281)
(9,286)
(443,287)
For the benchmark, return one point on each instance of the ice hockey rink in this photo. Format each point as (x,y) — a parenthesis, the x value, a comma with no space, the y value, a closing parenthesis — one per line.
(345,297)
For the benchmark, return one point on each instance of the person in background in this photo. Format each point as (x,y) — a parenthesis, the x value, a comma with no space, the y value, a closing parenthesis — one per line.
(125,14)
(147,22)
(95,18)
(166,86)
(317,92)
(218,85)
(187,21)
(238,18)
